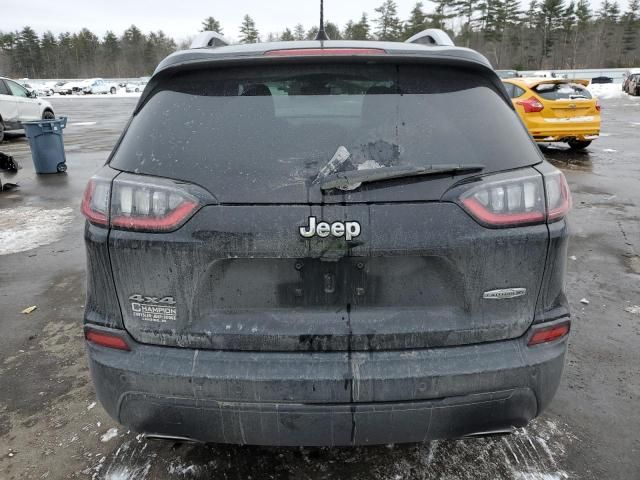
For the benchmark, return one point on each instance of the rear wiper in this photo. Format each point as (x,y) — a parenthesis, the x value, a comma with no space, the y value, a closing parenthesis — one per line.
(352,179)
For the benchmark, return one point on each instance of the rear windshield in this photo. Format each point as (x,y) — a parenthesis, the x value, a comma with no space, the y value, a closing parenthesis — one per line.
(562,91)
(251,134)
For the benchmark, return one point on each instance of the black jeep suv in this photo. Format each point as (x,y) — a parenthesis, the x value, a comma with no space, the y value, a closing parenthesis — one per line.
(325,243)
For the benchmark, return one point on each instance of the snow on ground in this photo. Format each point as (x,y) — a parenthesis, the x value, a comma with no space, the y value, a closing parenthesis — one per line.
(606,90)
(26,228)
(109,434)
(120,94)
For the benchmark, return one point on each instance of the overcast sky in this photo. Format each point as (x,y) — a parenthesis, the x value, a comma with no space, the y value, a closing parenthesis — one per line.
(181,19)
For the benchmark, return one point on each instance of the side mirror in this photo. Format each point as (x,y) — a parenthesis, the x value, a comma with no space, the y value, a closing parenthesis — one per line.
(33,94)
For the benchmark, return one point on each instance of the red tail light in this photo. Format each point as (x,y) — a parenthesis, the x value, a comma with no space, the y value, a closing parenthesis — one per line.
(296,52)
(106,339)
(139,203)
(149,206)
(95,202)
(549,334)
(506,200)
(558,196)
(531,105)
(598,106)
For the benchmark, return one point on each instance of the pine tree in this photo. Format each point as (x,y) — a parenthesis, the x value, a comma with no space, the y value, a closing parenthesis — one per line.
(248,31)
(49,54)
(210,24)
(27,53)
(287,36)
(389,25)
(550,20)
(111,53)
(631,21)
(357,31)
(441,14)
(417,21)
(299,32)
(330,28)
(466,9)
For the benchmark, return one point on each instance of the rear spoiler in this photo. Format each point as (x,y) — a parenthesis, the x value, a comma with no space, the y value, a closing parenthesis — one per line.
(540,81)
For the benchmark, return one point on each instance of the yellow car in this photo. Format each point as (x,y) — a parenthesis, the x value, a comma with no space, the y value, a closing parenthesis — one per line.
(556,110)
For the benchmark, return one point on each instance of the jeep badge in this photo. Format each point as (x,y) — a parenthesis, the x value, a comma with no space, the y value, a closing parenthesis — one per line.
(348,230)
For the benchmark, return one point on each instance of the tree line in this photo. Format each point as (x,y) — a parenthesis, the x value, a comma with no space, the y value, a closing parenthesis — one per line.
(547,34)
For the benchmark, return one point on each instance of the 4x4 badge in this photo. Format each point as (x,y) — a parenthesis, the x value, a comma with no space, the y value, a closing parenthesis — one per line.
(348,230)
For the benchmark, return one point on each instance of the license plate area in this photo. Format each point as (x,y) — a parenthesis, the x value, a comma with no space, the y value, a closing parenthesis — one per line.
(324,283)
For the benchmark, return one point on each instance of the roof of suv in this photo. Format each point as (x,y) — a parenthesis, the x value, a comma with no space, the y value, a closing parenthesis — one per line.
(258,50)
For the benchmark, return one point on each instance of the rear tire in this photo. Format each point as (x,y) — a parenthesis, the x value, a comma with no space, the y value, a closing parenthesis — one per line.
(578,144)
(113,90)
(48,115)
(62,167)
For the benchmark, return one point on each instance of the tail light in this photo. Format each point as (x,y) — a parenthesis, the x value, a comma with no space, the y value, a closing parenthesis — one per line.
(148,204)
(598,106)
(531,105)
(549,334)
(106,339)
(95,201)
(558,196)
(508,199)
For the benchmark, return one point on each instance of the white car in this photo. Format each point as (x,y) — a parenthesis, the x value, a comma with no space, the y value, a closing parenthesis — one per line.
(135,87)
(17,105)
(98,85)
(62,88)
(40,90)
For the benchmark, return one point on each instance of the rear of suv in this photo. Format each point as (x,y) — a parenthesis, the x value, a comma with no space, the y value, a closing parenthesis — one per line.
(325,243)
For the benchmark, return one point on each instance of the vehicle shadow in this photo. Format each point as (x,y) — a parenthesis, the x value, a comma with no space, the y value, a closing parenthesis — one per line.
(567,159)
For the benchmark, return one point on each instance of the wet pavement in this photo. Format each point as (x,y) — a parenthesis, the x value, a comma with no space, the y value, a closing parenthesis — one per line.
(51,426)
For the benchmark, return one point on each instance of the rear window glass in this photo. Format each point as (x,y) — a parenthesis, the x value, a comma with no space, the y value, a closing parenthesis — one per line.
(561,91)
(253,133)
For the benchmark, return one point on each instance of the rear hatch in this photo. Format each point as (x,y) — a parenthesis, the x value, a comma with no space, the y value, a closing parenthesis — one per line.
(568,100)
(276,259)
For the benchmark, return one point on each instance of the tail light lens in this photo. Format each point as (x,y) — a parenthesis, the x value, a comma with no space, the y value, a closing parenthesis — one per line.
(145,206)
(598,105)
(549,334)
(558,196)
(95,201)
(507,200)
(148,204)
(106,339)
(531,105)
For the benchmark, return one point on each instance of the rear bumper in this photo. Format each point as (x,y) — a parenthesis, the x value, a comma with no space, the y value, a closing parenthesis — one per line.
(333,398)
(563,131)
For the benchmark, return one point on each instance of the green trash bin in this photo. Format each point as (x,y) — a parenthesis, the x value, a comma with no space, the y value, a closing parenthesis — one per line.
(47,145)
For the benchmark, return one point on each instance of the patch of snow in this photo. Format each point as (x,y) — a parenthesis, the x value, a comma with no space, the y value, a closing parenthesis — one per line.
(584,301)
(609,150)
(540,476)
(82,124)
(93,404)
(26,228)
(109,435)
(369,165)
(606,90)
(635,309)
(573,257)
(182,469)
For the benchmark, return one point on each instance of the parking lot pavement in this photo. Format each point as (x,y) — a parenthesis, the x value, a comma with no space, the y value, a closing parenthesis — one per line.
(51,426)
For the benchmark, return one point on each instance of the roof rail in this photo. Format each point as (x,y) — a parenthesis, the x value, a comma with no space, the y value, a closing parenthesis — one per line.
(209,39)
(433,37)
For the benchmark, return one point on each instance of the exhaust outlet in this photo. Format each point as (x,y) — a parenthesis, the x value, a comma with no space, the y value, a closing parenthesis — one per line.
(173,438)
(499,432)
